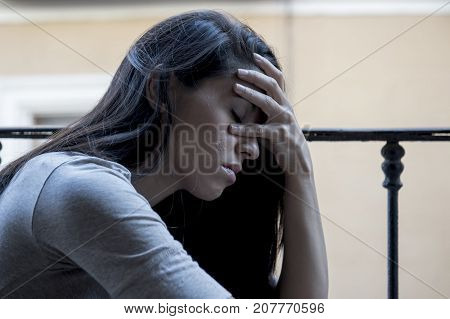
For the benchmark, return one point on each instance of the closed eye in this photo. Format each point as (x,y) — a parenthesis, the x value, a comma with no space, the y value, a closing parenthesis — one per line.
(235,117)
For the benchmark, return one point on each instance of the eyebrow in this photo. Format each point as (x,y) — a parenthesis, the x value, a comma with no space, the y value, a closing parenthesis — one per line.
(246,104)
(250,107)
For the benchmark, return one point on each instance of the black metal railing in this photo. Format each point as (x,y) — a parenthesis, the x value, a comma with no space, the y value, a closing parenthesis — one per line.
(392,167)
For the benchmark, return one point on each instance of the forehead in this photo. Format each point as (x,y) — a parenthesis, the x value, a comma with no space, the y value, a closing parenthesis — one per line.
(222,88)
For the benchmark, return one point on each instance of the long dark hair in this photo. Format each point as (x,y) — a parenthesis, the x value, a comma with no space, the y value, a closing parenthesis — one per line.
(235,238)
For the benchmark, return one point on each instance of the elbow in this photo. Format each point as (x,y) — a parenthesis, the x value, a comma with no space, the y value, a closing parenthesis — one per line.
(320,289)
(315,290)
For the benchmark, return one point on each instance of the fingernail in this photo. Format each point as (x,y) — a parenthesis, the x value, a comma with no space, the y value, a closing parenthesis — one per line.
(257,56)
(242,72)
(233,127)
(239,87)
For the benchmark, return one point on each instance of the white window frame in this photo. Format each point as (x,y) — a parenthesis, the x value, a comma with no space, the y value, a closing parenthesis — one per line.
(24,97)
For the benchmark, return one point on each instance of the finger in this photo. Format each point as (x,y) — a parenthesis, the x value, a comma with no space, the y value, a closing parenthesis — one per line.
(266,103)
(250,130)
(268,84)
(270,69)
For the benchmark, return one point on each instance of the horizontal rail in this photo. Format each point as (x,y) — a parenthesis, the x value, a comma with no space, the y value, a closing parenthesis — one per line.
(381,134)
(321,134)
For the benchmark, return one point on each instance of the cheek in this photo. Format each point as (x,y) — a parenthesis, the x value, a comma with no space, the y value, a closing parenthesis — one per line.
(217,150)
(222,143)
(204,151)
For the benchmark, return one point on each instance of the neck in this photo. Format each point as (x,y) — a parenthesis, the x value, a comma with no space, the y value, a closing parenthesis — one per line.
(156,186)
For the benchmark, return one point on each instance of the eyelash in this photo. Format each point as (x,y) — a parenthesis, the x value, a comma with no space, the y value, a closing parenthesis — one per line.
(236,117)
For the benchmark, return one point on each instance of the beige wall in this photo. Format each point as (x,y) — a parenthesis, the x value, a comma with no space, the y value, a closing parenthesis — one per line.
(405,84)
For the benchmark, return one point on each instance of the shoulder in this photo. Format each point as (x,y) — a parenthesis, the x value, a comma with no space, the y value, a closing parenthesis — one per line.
(79,164)
(90,183)
(79,172)
(88,193)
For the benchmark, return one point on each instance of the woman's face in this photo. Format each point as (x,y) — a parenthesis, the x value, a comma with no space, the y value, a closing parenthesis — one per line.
(201,146)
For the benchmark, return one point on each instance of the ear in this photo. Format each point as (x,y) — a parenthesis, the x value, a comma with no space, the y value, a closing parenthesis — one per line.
(151,94)
(150,90)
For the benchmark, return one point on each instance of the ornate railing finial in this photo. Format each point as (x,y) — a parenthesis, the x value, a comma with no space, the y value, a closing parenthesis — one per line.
(392,166)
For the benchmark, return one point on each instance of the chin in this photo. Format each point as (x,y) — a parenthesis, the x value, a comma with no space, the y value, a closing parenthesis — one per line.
(207,189)
(212,196)
(209,194)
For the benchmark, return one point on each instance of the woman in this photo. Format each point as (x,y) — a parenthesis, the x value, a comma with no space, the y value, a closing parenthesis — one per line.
(102,208)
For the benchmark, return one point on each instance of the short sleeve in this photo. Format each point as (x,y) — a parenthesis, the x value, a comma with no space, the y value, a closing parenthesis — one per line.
(93,215)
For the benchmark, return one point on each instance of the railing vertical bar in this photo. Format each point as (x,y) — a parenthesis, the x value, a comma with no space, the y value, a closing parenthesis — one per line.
(392,244)
(392,167)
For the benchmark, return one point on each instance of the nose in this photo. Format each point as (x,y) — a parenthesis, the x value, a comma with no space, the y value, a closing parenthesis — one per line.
(249,147)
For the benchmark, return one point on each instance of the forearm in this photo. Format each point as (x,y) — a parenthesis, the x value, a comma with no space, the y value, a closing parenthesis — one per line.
(304,270)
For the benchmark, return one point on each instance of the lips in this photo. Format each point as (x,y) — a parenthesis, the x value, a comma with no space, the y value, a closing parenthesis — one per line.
(235,167)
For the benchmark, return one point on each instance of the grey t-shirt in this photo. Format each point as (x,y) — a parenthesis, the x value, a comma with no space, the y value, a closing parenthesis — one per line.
(73,226)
